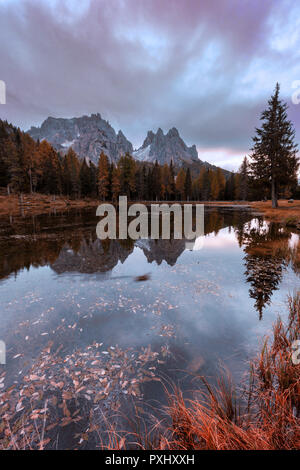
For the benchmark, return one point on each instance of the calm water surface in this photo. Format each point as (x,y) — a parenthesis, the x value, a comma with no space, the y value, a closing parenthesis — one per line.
(199,309)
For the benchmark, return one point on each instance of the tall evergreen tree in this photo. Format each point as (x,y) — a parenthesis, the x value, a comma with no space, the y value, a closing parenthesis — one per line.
(165,182)
(180,184)
(206,187)
(85,179)
(188,185)
(156,181)
(214,185)
(274,160)
(172,188)
(244,180)
(103,176)
(116,183)
(127,175)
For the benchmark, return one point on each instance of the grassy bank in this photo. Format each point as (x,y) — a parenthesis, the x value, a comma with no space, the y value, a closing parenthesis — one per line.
(287,213)
(263,414)
(35,204)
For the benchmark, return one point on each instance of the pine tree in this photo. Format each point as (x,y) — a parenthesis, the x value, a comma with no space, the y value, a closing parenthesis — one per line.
(127,175)
(165,181)
(4,177)
(93,179)
(144,191)
(171,188)
(180,184)
(132,178)
(103,176)
(196,187)
(14,166)
(73,172)
(221,183)
(229,193)
(206,186)
(274,160)
(214,185)
(156,181)
(244,180)
(116,183)
(85,179)
(149,190)
(188,185)
(236,186)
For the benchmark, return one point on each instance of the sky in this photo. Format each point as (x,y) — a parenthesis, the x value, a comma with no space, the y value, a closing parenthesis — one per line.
(206,67)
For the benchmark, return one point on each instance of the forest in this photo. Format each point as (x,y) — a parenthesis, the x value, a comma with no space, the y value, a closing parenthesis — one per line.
(27,166)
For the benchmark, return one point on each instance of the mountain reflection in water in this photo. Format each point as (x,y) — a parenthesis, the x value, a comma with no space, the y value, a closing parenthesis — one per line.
(62,289)
(67,243)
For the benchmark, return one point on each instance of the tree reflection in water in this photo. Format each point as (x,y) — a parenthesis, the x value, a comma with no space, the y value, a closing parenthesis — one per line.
(67,242)
(267,254)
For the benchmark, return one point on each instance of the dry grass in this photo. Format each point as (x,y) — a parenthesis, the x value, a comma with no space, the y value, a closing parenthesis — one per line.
(34,204)
(270,418)
(286,213)
(265,416)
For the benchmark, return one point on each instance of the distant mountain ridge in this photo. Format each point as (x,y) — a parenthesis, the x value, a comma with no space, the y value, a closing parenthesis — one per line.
(87,135)
(166,147)
(91,135)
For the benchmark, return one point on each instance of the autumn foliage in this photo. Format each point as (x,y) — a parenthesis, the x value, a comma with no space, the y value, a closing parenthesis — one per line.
(27,166)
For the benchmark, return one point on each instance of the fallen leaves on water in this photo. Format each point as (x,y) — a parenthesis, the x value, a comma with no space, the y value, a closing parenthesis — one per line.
(73,389)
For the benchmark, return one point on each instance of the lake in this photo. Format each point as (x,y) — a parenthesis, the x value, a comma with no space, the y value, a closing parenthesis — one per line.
(192,312)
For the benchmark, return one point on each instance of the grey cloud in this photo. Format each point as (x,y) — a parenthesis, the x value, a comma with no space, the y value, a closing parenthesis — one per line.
(143,65)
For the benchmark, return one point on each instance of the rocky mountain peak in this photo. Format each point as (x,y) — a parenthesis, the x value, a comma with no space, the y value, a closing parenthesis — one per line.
(173,133)
(91,135)
(166,147)
(87,135)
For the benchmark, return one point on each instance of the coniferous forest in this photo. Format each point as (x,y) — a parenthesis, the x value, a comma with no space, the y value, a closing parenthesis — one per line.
(27,166)
(149,228)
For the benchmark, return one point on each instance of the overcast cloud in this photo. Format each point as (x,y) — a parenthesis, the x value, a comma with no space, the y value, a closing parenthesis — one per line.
(206,67)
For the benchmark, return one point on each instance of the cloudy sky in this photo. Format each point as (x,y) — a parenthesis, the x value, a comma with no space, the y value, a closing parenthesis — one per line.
(206,67)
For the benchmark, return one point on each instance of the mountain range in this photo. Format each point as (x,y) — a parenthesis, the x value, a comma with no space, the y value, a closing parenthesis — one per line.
(87,135)
(91,135)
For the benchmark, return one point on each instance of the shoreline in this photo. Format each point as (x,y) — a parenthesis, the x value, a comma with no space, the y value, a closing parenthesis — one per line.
(287,214)
(38,204)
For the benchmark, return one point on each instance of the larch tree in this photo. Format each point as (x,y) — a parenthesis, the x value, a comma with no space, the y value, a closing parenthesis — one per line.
(274,153)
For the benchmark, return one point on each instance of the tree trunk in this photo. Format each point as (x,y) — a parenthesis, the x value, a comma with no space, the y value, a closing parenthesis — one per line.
(274,195)
(30,179)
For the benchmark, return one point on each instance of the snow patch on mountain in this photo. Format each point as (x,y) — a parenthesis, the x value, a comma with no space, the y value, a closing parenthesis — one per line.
(142,154)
